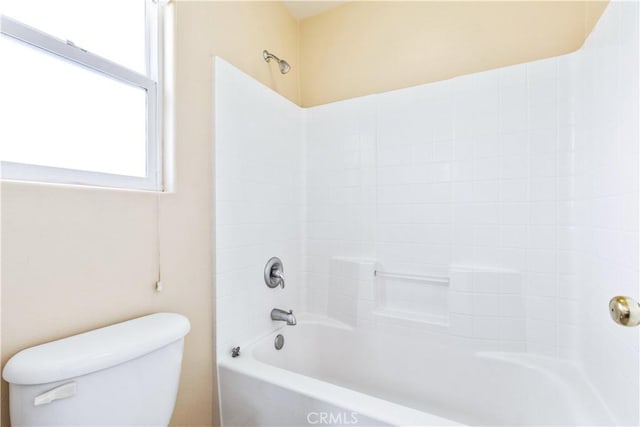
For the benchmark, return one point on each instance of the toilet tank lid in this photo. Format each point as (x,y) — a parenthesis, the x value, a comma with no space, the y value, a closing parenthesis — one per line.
(95,350)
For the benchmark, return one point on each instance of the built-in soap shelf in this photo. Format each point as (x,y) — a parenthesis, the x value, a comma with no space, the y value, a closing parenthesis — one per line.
(412,297)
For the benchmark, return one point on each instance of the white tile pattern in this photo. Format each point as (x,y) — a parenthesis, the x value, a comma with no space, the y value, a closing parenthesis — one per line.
(465,173)
(259,158)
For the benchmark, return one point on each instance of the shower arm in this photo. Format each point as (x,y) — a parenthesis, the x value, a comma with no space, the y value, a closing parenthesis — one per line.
(268,56)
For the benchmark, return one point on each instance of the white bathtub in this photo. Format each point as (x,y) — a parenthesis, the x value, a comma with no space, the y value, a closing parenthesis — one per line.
(330,374)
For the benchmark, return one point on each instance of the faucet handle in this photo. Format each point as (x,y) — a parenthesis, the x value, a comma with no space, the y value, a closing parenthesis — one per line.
(274,273)
(279,275)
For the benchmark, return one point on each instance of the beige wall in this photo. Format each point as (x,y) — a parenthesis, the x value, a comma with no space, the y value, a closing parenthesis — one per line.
(77,258)
(367,47)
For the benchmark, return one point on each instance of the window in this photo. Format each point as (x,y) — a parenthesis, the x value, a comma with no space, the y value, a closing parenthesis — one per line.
(79,99)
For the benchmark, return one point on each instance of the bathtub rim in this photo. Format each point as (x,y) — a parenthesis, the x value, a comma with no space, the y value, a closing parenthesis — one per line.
(374,407)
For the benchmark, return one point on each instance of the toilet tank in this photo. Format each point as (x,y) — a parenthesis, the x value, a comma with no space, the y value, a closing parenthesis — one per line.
(125,374)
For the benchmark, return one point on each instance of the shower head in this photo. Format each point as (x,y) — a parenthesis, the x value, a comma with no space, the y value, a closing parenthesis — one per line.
(284,65)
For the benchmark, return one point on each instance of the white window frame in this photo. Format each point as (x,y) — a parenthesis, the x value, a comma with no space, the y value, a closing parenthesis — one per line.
(66,50)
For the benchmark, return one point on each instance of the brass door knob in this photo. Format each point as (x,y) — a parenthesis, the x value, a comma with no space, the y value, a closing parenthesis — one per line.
(624,311)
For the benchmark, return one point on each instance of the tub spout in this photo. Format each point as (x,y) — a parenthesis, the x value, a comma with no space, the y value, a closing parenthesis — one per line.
(284,316)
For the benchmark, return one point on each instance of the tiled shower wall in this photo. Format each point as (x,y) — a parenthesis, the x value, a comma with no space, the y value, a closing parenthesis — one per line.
(469,174)
(480,172)
(341,191)
(259,204)
(519,184)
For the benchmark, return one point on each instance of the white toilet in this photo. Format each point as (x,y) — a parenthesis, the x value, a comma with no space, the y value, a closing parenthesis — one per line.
(122,375)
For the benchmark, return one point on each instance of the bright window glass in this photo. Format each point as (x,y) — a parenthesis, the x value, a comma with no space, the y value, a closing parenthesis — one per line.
(56,113)
(113,29)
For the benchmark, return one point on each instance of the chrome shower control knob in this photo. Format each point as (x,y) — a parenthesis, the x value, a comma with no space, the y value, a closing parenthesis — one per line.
(274,273)
(624,311)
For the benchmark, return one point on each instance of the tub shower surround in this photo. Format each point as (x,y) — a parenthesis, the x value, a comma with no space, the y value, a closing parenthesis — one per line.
(485,219)
(467,174)
(259,204)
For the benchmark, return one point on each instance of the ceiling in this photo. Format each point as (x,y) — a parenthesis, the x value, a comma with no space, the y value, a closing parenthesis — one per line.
(302,9)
